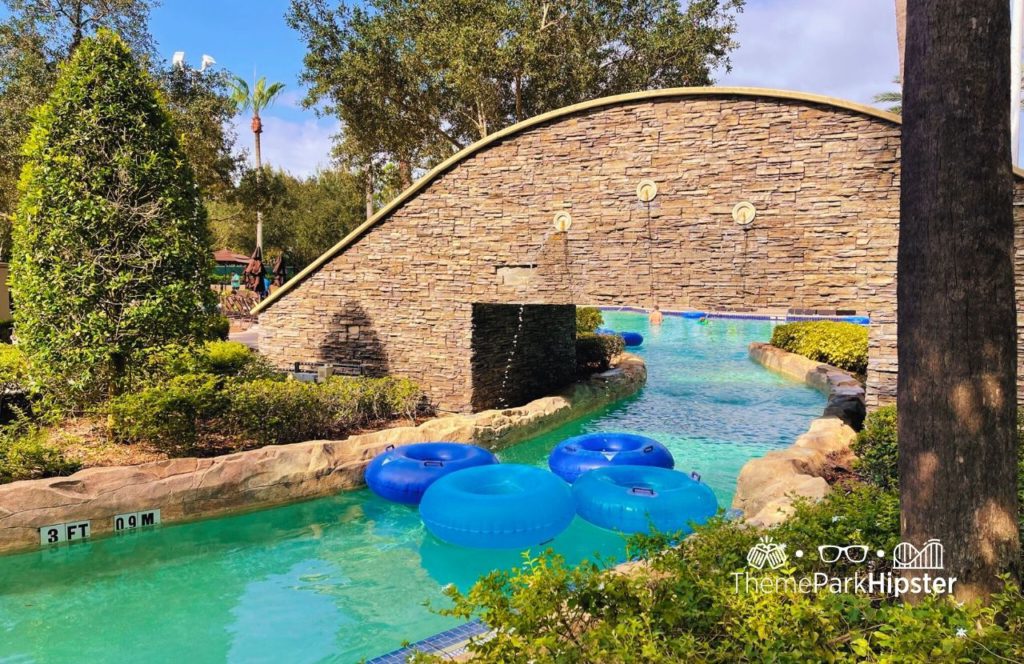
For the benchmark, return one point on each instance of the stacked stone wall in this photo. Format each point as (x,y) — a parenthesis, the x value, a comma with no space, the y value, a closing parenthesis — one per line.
(823,179)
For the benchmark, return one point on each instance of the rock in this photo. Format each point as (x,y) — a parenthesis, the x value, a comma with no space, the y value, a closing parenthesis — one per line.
(190,489)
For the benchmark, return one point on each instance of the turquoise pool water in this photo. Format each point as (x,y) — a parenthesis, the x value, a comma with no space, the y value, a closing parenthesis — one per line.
(343,578)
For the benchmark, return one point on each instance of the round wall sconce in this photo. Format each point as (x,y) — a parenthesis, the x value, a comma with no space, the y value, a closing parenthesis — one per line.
(646,191)
(744,213)
(563,222)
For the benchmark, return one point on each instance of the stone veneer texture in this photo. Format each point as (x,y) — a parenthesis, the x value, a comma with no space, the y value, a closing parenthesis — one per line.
(824,180)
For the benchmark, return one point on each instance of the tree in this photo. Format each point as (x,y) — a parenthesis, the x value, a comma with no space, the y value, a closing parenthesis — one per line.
(258,99)
(201,109)
(111,250)
(957,344)
(35,38)
(65,23)
(414,80)
(893,98)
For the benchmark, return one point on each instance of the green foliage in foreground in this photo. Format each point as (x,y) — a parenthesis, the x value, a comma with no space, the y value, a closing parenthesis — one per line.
(588,319)
(111,250)
(683,603)
(843,345)
(25,453)
(877,449)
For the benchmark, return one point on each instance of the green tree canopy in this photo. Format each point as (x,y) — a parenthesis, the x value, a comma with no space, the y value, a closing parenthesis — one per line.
(111,249)
(413,80)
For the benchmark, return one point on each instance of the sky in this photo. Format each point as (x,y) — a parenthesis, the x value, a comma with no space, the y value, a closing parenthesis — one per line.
(843,48)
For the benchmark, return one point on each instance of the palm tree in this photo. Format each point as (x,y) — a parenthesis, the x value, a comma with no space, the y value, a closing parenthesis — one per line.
(893,98)
(259,98)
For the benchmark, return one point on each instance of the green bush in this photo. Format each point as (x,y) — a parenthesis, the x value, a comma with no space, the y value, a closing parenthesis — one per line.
(218,327)
(231,358)
(13,368)
(173,415)
(277,412)
(843,345)
(684,604)
(595,352)
(25,454)
(877,450)
(588,319)
(110,252)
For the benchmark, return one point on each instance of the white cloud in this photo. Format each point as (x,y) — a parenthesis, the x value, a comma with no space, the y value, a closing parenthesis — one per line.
(843,48)
(299,147)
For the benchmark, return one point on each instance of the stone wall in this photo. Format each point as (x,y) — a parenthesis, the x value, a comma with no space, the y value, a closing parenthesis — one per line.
(824,180)
(521,352)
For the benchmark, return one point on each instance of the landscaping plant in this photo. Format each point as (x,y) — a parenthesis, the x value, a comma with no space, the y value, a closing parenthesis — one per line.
(111,253)
(843,345)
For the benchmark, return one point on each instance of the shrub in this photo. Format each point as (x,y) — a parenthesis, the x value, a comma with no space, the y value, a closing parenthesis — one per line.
(877,449)
(218,327)
(25,454)
(231,358)
(110,252)
(275,412)
(595,352)
(843,345)
(13,368)
(588,319)
(685,605)
(172,415)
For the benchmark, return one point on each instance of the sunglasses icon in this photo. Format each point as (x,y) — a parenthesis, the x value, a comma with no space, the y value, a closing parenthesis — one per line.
(856,553)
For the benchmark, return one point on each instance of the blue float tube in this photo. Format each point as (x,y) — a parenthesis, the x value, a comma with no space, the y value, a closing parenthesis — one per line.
(503,506)
(575,456)
(859,320)
(403,473)
(695,314)
(632,338)
(631,499)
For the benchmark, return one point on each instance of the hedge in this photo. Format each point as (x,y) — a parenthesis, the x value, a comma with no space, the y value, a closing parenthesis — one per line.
(588,319)
(595,352)
(843,345)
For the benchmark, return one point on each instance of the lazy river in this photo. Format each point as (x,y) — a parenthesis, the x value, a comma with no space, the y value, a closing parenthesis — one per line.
(346,577)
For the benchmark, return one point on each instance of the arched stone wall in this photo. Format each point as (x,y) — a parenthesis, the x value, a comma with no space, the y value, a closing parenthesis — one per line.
(823,175)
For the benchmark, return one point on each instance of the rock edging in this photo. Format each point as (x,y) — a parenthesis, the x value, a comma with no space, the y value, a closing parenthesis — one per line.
(768,486)
(189,489)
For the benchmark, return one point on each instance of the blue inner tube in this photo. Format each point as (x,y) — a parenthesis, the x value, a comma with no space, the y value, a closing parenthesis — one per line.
(632,338)
(631,499)
(575,456)
(502,506)
(403,473)
(694,314)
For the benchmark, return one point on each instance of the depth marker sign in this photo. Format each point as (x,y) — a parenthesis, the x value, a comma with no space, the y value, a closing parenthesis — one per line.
(64,532)
(134,520)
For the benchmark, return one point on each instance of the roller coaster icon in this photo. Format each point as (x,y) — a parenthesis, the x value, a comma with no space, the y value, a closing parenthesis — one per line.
(929,556)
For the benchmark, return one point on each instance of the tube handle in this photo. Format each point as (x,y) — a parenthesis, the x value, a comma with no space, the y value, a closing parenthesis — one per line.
(642,491)
(695,476)
(432,462)
(648,449)
(389,448)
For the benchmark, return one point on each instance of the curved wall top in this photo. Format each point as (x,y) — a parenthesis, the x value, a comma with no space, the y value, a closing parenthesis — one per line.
(623,99)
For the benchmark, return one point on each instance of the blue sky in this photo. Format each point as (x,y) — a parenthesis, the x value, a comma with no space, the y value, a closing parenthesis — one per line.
(844,48)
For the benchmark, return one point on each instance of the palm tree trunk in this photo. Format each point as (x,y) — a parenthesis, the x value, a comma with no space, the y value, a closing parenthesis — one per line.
(259,173)
(957,343)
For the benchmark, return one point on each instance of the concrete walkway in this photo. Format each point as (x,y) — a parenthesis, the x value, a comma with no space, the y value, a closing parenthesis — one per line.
(250,337)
